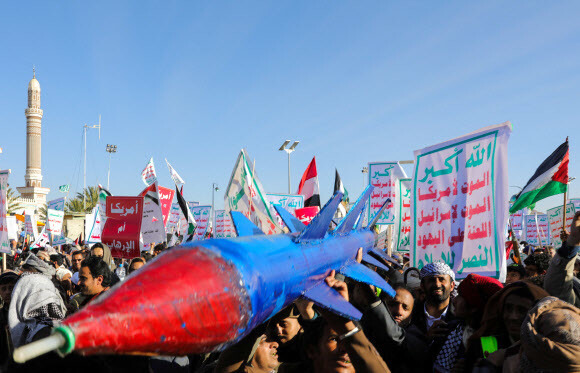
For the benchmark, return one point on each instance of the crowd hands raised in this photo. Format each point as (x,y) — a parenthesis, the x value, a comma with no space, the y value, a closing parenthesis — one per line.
(531,323)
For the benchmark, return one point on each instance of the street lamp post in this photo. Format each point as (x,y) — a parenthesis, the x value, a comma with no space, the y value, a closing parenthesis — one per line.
(288,151)
(110,149)
(365,170)
(85,128)
(214,188)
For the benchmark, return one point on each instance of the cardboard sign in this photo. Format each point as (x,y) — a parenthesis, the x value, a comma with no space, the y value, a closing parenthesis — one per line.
(383,176)
(54,220)
(123,226)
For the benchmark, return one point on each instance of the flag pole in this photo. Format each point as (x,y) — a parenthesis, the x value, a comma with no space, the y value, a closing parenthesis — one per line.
(251,186)
(538,229)
(564,206)
(515,243)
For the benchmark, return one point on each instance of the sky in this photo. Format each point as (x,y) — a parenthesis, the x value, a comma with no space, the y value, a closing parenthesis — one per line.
(195,82)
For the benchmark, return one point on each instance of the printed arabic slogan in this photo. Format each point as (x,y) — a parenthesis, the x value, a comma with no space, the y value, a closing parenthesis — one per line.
(201,215)
(123,226)
(555,217)
(537,224)
(223,225)
(403,226)
(383,176)
(459,207)
(290,202)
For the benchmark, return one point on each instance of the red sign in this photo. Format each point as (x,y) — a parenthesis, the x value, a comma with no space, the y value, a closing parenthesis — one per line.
(165,199)
(123,226)
(306,214)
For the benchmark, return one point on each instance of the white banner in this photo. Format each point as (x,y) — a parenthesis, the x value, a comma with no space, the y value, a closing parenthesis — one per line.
(93,226)
(12,227)
(148,174)
(383,176)
(201,215)
(246,195)
(173,220)
(152,228)
(290,202)
(4,235)
(537,224)
(42,240)
(31,226)
(54,220)
(403,221)
(517,220)
(223,225)
(555,217)
(460,203)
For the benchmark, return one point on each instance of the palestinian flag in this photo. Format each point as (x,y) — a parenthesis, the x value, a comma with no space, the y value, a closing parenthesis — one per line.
(339,187)
(550,178)
(309,185)
(185,211)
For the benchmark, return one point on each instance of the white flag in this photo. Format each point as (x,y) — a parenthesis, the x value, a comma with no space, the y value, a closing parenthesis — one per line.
(148,175)
(174,175)
(42,240)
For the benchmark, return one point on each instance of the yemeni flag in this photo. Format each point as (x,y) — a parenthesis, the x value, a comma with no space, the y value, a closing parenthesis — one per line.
(339,187)
(550,178)
(185,211)
(309,185)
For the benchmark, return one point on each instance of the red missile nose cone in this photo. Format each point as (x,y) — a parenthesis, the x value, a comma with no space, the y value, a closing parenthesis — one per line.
(188,300)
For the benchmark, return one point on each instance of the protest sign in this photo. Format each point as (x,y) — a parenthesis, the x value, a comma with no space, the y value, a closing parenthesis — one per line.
(517,220)
(61,240)
(555,217)
(576,202)
(383,176)
(306,214)
(166,198)
(42,240)
(93,226)
(537,224)
(173,219)
(12,227)
(201,215)
(54,220)
(403,221)
(290,202)
(152,228)
(4,236)
(460,201)
(246,195)
(123,227)
(148,174)
(223,225)
(56,204)
(30,226)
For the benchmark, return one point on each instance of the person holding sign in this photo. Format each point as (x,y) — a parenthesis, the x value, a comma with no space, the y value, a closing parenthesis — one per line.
(560,281)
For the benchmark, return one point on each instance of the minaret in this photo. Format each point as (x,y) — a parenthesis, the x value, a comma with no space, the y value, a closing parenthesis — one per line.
(33,177)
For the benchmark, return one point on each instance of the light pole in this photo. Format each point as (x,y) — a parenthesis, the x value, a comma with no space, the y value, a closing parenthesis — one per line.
(365,170)
(110,149)
(214,188)
(85,128)
(288,151)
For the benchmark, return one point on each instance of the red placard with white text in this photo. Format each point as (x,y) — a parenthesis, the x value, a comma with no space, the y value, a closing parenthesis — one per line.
(123,226)
(165,199)
(306,214)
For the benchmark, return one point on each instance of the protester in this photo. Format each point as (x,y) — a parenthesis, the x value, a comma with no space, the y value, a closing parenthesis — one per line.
(102,251)
(77,257)
(7,282)
(537,264)
(285,329)
(95,278)
(560,280)
(135,264)
(515,272)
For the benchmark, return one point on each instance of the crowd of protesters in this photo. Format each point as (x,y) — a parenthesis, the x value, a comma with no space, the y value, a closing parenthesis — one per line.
(434,323)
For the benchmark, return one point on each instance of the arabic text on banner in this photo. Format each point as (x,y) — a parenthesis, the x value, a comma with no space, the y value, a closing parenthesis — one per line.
(403,221)
(383,176)
(201,215)
(123,227)
(56,204)
(555,217)
(148,174)
(460,201)
(173,219)
(576,202)
(4,239)
(223,225)
(245,193)
(290,202)
(42,240)
(165,199)
(152,228)
(93,225)
(517,220)
(54,220)
(30,226)
(537,224)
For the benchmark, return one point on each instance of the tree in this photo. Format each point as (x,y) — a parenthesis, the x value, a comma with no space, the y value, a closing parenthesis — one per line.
(41,213)
(83,202)
(14,206)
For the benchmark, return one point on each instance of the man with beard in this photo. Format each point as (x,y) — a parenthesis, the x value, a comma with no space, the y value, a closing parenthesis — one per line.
(434,319)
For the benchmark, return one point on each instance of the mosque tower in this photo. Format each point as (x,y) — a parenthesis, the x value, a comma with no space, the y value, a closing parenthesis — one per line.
(33,190)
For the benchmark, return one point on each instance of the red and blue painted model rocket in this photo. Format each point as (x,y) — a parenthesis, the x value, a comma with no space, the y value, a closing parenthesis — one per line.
(206,295)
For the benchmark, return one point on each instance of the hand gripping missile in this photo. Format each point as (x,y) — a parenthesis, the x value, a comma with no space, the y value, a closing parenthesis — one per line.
(206,295)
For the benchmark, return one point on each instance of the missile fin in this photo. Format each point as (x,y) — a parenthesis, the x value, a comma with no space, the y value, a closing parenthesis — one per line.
(375,218)
(293,224)
(243,225)
(364,274)
(381,254)
(371,260)
(361,218)
(326,297)
(319,225)
(349,220)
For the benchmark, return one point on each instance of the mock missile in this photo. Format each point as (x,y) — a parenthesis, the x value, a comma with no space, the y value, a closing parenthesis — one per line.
(206,295)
